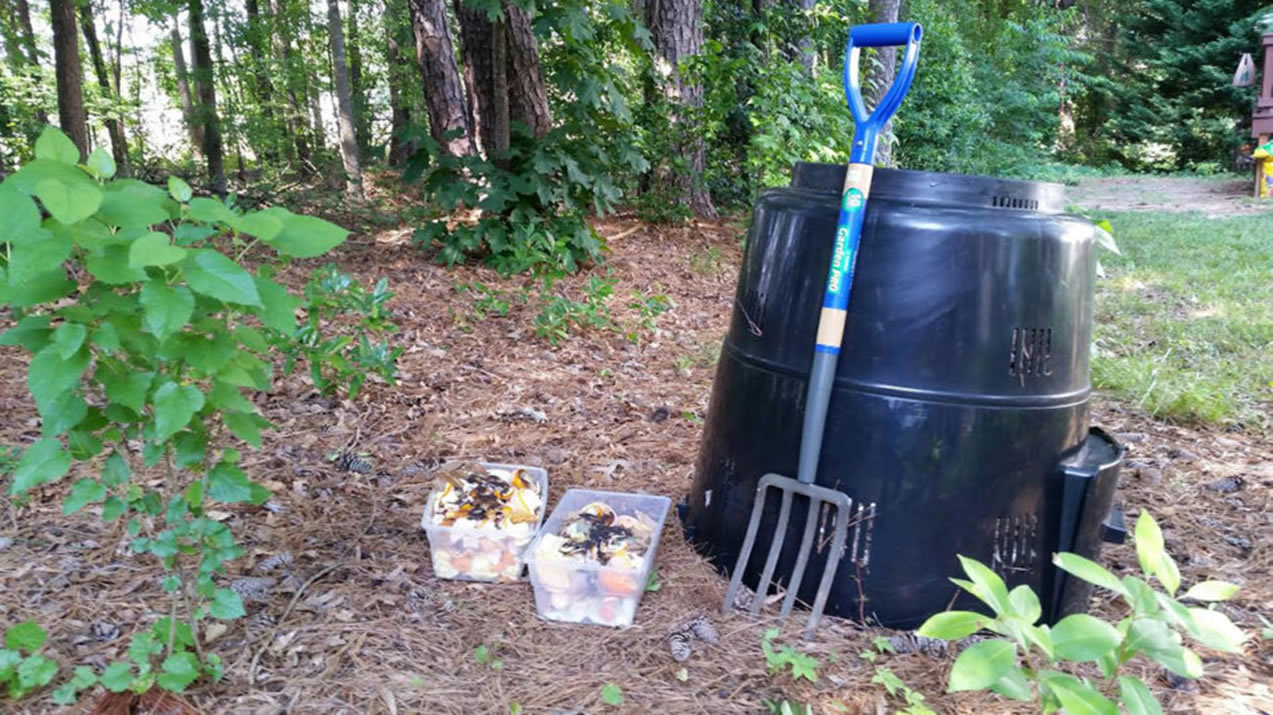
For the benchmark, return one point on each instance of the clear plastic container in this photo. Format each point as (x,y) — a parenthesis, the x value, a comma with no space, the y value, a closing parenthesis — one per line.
(586,591)
(472,553)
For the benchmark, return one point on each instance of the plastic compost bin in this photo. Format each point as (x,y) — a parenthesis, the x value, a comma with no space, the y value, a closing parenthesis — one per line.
(476,546)
(587,591)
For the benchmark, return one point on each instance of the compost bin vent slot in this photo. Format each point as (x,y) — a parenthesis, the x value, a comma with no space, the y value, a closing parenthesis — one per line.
(1015,538)
(857,547)
(1030,353)
(1013,202)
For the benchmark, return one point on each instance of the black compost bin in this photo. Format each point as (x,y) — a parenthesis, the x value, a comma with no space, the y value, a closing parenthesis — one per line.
(959,419)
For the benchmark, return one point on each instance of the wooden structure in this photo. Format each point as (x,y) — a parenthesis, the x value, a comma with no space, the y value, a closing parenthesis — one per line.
(1262,118)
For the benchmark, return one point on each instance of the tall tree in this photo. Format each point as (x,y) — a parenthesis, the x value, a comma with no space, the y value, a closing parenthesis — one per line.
(28,37)
(114,127)
(255,34)
(70,78)
(206,92)
(349,153)
(400,111)
(881,76)
(358,92)
(677,29)
(183,86)
(443,91)
(292,72)
(514,85)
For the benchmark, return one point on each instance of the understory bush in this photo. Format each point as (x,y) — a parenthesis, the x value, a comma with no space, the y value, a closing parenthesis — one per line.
(145,330)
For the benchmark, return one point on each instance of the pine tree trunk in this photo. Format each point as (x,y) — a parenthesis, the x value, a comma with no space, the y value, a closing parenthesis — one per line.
(677,30)
(205,90)
(526,99)
(70,77)
(357,92)
(500,129)
(344,103)
(881,77)
(119,144)
(443,90)
(400,114)
(183,86)
(806,43)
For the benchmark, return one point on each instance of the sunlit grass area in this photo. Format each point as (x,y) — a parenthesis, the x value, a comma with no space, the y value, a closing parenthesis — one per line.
(1185,317)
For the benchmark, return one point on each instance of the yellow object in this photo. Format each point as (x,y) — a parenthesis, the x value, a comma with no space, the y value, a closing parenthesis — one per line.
(1263,156)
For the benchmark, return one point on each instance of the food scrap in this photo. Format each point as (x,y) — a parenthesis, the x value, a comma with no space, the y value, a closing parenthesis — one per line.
(592,567)
(481,519)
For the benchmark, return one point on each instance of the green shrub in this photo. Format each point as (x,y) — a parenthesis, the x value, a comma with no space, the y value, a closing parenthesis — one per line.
(148,337)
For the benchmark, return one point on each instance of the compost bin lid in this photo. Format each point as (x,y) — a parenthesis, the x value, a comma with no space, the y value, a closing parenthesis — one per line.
(930,187)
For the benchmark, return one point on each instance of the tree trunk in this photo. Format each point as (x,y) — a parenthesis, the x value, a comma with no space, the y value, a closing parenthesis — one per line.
(349,153)
(677,30)
(881,77)
(70,78)
(296,121)
(255,33)
(443,91)
(28,36)
(183,86)
(525,97)
(206,92)
(115,127)
(500,129)
(806,42)
(400,119)
(357,92)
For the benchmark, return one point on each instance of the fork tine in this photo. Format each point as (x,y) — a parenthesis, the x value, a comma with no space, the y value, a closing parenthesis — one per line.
(842,515)
(749,541)
(775,550)
(802,558)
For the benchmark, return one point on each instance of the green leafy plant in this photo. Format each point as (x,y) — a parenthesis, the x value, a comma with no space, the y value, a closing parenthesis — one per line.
(144,329)
(21,674)
(894,685)
(612,695)
(558,313)
(485,655)
(648,307)
(165,656)
(788,659)
(786,707)
(1026,662)
(360,349)
(487,301)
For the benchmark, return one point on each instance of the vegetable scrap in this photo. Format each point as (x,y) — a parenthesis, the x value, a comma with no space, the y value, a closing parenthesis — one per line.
(482,521)
(592,567)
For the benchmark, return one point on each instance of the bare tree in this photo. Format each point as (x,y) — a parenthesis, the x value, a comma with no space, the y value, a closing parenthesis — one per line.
(205,111)
(349,153)
(443,91)
(114,127)
(677,29)
(70,75)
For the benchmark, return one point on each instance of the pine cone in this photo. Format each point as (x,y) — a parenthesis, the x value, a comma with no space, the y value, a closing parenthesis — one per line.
(703,629)
(910,642)
(260,624)
(678,642)
(253,588)
(350,462)
(283,559)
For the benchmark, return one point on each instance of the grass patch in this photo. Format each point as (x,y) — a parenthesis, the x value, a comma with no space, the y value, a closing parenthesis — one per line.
(1184,321)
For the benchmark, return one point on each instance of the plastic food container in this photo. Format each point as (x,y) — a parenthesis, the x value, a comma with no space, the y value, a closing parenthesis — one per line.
(471,552)
(581,589)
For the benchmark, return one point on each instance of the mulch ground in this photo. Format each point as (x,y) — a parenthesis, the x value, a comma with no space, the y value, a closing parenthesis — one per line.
(358,623)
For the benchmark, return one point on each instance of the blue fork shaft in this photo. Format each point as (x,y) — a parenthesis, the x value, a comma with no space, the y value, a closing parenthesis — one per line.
(848,230)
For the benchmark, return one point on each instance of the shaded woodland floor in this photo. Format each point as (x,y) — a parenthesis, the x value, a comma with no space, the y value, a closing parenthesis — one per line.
(363,625)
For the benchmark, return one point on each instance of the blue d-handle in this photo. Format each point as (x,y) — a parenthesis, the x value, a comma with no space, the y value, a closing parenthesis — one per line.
(848,230)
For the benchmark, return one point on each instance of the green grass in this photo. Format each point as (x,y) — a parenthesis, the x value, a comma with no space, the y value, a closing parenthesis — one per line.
(1184,320)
